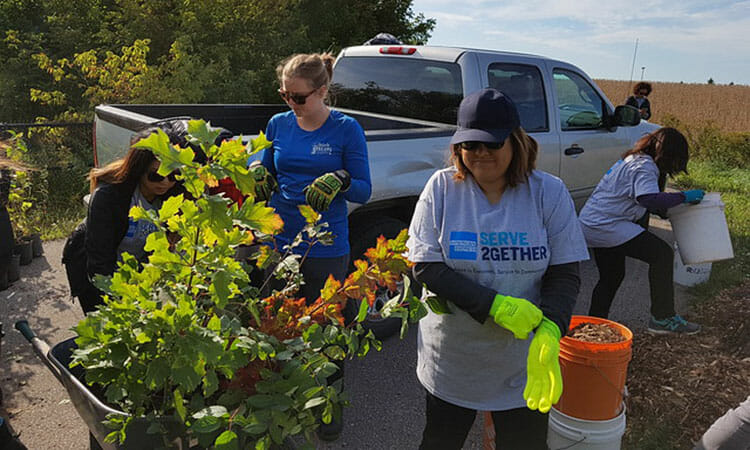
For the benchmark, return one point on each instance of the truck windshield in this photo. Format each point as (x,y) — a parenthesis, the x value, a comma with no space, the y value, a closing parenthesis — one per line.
(414,88)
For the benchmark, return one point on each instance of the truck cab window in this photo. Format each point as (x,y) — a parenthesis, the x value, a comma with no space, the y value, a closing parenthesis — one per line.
(414,88)
(579,104)
(523,84)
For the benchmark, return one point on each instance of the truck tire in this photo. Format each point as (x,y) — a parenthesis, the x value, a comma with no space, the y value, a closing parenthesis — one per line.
(363,237)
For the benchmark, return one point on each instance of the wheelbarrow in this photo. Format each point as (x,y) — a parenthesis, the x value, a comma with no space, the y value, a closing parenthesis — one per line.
(94,411)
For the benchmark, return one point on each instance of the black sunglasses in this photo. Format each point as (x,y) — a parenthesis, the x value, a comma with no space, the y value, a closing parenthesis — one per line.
(474,145)
(156,178)
(644,93)
(299,99)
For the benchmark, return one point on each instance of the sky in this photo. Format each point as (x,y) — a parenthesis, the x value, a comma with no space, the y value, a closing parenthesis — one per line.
(678,40)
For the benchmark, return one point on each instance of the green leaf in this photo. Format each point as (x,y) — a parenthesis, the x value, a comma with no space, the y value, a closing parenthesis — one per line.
(311,216)
(170,207)
(438,305)
(227,441)
(207,424)
(220,286)
(260,218)
(312,403)
(363,308)
(178,404)
(201,132)
(157,373)
(186,377)
(259,143)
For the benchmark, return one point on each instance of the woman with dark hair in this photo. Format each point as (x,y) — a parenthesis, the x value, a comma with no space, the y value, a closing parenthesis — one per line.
(639,99)
(499,243)
(615,217)
(117,187)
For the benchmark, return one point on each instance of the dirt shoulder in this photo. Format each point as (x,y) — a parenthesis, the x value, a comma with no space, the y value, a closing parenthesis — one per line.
(679,385)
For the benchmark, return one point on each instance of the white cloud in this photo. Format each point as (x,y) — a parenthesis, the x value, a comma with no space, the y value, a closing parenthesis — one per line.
(700,32)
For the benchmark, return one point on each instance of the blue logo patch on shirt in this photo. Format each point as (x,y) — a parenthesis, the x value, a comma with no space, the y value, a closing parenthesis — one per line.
(463,245)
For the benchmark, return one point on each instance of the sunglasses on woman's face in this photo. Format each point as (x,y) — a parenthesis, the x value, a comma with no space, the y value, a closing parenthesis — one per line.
(475,145)
(644,93)
(156,178)
(299,99)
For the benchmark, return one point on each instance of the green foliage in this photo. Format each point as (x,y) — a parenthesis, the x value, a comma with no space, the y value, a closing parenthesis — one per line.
(224,51)
(708,143)
(186,336)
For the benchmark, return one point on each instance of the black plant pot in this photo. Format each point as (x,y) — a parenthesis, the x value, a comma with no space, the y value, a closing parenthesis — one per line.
(36,245)
(24,249)
(14,270)
(4,283)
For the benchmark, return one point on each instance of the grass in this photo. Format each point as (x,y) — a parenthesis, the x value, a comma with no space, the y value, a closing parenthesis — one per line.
(734,186)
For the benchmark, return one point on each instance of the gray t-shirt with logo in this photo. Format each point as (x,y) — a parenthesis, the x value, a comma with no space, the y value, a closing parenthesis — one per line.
(609,215)
(138,230)
(506,246)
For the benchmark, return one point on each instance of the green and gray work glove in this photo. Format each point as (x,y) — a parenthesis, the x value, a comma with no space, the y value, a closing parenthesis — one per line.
(265,183)
(518,315)
(543,378)
(321,192)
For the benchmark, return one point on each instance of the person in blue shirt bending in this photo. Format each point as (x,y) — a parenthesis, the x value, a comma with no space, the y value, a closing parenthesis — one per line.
(318,157)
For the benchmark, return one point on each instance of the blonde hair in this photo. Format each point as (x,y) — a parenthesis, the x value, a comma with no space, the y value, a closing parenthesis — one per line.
(317,68)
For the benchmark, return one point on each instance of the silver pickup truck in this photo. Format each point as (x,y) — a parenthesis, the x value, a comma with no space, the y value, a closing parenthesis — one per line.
(406,99)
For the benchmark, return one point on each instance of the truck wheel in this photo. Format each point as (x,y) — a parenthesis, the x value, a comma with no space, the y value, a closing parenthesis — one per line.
(363,237)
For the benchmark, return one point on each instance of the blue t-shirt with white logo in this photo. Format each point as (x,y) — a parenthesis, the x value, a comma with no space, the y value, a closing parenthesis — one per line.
(298,157)
(506,246)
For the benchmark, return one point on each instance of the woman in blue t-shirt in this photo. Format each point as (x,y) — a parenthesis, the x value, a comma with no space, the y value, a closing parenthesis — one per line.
(615,217)
(318,157)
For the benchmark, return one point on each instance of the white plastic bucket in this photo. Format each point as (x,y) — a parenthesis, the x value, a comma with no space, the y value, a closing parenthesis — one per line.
(566,432)
(701,230)
(689,274)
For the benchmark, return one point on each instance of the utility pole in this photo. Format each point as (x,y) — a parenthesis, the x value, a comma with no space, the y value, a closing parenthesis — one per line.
(643,68)
(632,67)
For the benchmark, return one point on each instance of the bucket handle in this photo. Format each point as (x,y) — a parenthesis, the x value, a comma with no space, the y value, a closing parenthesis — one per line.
(623,392)
(571,445)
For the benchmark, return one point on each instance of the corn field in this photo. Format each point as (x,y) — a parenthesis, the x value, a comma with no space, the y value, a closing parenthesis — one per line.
(696,105)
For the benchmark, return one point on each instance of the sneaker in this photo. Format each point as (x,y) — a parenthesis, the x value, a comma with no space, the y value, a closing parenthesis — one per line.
(330,431)
(674,324)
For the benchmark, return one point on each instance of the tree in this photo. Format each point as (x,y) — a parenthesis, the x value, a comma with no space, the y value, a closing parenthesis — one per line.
(710,81)
(236,43)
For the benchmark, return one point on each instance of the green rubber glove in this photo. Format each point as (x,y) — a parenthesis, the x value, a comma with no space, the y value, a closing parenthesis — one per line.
(265,183)
(321,192)
(518,315)
(543,378)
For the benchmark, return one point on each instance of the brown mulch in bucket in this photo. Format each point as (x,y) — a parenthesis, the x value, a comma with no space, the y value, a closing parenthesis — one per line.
(679,385)
(595,332)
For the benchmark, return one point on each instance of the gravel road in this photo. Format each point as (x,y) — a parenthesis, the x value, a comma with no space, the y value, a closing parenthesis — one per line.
(387,401)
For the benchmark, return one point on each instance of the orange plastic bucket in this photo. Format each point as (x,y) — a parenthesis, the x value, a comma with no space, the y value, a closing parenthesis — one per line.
(593,373)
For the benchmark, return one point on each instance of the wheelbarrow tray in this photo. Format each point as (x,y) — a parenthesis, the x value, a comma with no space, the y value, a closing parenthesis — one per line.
(94,412)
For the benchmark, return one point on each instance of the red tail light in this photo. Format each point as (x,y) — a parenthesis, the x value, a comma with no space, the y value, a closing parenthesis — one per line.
(397,50)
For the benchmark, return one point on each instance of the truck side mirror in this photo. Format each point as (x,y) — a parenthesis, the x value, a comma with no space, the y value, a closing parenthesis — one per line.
(626,116)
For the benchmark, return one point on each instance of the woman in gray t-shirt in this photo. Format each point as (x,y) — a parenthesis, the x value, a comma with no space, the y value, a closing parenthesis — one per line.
(499,243)
(614,220)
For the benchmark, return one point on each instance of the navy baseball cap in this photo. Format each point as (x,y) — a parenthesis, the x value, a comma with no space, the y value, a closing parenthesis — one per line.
(487,116)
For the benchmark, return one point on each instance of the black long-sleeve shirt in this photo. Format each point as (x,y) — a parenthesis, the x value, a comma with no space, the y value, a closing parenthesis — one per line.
(560,286)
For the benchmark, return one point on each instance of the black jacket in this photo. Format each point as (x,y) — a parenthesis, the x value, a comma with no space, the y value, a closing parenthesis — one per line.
(107,223)
(632,101)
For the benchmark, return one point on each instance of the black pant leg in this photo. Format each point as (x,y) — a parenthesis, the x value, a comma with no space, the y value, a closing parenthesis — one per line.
(659,256)
(611,265)
(315,272)
(447,425)
(520,428)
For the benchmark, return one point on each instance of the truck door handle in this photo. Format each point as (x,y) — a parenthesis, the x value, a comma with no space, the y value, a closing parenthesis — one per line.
(574,150)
